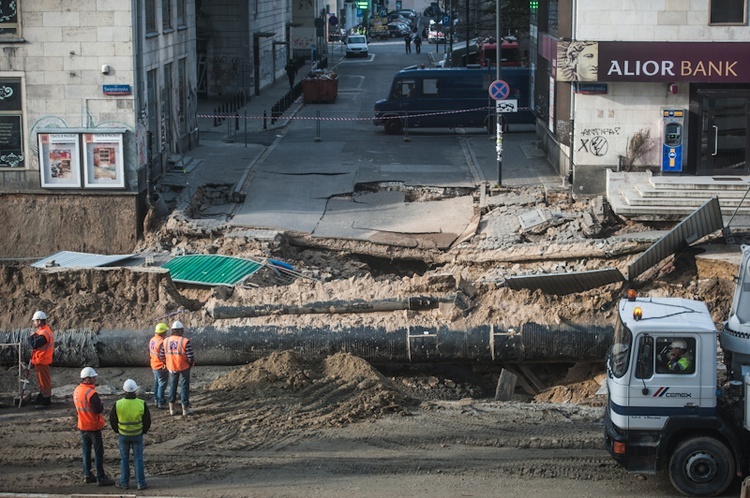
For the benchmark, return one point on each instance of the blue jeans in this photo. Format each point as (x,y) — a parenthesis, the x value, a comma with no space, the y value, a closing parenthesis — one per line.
(160,386)
(184,380)
(88,439)
(135,442)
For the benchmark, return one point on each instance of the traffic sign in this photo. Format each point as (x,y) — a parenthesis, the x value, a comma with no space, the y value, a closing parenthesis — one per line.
(499,90)
(509,105)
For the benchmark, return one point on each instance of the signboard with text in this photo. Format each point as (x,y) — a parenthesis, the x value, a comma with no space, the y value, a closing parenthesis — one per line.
(710,62)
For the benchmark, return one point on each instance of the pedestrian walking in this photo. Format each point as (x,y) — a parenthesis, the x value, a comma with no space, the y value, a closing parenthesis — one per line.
(130,419)
(418,44)
(159,364)
(42,343)
(90,423)
(291,72)
(407,40)
(180,359)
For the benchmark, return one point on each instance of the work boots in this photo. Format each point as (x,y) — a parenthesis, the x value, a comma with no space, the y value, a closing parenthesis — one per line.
(171,408)
(185,411)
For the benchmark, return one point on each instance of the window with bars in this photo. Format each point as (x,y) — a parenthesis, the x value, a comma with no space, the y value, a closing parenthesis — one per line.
(166,14)
(11,121)
(9,18)
(182,104)
(728,12)
(153,114)
(181,13)
(150,12)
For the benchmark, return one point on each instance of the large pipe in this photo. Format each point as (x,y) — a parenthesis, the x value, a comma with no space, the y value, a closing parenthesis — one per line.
(337,306)
(240,345)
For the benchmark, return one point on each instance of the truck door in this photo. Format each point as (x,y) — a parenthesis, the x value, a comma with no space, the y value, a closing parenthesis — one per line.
(665,382)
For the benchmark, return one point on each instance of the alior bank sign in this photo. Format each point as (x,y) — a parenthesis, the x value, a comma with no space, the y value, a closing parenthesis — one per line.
(653,61)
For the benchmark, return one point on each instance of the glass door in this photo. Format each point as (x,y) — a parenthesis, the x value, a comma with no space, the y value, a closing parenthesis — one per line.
(724,134)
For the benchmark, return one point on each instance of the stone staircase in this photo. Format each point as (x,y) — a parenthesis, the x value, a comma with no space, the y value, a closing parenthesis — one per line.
(642,196)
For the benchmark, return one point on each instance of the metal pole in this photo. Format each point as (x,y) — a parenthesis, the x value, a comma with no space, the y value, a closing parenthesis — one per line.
(317,127)
(498,114)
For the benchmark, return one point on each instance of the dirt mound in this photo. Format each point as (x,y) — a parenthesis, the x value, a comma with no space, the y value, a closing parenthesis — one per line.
(284,394)
(86,297)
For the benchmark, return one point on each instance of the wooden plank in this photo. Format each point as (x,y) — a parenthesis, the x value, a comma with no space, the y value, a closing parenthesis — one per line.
(506,385)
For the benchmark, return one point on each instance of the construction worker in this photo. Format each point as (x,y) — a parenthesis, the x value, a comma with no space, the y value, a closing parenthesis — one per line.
(91,422)
(42,343)
(679,360)
(159,364)
(180,358)
(130,419)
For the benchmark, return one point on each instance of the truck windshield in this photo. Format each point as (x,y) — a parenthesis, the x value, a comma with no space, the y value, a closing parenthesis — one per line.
(619,354)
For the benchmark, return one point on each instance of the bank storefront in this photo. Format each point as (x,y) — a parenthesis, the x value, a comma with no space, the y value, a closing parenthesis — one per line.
(676,108)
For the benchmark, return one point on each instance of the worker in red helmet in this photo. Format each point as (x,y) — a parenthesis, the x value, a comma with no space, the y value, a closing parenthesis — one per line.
(180,359)
(42,343)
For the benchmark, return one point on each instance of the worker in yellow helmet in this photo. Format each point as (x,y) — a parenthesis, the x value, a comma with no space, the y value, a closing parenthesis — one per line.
(159,364)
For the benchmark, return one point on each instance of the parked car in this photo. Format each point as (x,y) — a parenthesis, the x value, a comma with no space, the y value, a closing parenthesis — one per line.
(398,29)
(435,35)
(356,45)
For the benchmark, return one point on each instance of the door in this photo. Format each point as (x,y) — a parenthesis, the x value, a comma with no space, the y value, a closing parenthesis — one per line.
(724,133)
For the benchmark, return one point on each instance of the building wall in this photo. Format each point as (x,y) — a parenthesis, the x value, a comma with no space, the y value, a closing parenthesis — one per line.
(59,62)
(654,20)
(605,125)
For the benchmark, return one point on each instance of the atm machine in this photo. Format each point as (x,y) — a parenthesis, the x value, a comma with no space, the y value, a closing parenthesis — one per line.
(673,129)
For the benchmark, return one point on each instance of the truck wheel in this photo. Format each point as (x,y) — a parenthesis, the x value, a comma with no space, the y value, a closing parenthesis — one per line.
(393,126)
(701,466)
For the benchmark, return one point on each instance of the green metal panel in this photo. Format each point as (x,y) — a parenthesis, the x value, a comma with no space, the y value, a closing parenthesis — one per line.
(210,269)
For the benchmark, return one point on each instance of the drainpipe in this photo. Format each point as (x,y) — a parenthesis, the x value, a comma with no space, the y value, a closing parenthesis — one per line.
(571,166)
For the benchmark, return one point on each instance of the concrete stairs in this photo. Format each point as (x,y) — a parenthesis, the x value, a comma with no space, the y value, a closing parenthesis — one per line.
(644,197)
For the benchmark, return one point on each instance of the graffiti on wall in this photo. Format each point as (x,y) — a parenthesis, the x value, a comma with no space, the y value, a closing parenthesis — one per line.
(594,140)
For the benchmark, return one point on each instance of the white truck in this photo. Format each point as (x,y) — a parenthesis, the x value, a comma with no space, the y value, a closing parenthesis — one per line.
(665,409)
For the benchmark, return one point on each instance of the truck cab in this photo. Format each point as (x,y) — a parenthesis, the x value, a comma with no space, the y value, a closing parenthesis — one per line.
(663,411)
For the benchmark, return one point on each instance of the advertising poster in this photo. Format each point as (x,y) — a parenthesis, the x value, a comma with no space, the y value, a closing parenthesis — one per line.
(103,163)
(59,160)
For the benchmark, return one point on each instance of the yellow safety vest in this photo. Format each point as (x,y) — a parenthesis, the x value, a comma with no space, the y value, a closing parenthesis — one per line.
(130,416)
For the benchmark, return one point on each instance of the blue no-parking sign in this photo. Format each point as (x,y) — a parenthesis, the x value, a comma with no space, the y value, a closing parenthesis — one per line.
(499,90)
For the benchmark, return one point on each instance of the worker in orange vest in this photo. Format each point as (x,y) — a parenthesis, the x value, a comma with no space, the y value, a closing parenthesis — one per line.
(91,422)
(159,364)
(42,343)
(180,359)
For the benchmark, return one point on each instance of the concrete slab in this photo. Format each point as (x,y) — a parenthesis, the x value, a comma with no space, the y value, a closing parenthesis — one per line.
(268,201)
(383,217)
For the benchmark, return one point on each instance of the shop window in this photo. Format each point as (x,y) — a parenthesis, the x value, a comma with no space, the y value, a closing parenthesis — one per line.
(728,11)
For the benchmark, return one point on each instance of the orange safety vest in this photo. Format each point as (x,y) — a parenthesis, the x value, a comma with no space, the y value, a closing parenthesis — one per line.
(153,349)
(87,419)
(174,350)
(43,355)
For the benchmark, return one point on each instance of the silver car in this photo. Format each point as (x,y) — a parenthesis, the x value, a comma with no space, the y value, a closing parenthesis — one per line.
(356,45)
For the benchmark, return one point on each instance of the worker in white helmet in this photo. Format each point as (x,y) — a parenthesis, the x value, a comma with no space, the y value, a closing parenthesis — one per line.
(42,343)
(679,359)
(89,408)
(180,359)
(130,419)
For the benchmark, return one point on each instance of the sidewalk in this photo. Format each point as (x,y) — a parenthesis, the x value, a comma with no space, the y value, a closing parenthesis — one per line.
(225,157)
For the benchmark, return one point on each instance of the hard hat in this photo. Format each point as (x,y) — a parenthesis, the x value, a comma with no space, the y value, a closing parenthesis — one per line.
(177,325)
(39,315)
(130,386)
(88,372)
(679,343)
(161,328)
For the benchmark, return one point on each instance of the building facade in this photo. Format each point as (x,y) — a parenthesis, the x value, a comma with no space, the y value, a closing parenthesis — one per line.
(625,85)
